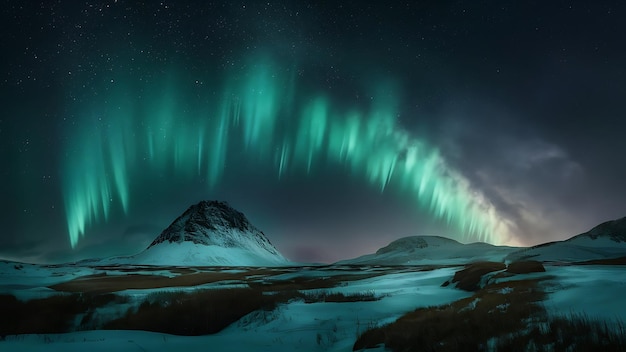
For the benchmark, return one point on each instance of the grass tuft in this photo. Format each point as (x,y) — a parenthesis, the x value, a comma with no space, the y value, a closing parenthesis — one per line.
(470,277)
(576,332)
(339,297)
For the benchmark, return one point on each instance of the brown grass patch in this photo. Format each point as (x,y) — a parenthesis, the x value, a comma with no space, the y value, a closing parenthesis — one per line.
(504,316)
(209,311)
(185,313)
(612,261)
(257,278)
(339,297)
(575,332)
(136,268)
(467,324)
(308,283)
(54,314)
(103,283)
(196,313)
(525,267)
(470,277)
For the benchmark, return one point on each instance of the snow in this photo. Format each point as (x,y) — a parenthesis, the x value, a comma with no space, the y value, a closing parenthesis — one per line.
(210,233)
(594,290)
(29,281)
(193,254)
(292,326)
(577,249)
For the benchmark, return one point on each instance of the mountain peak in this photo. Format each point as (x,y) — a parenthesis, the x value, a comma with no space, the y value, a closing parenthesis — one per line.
(200,222)
(211,233)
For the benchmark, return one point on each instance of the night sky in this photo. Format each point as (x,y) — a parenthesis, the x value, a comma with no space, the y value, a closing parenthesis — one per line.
(336,128)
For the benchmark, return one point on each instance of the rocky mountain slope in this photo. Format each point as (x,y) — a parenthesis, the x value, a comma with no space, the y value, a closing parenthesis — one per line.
(211,233)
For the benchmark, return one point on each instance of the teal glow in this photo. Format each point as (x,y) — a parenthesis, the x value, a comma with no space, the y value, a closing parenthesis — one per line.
(311,132)
(179,126)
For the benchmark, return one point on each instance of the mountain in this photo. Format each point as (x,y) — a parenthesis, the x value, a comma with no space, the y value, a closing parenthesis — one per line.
(605,241)
(424,250)
(614,230)
(211,233)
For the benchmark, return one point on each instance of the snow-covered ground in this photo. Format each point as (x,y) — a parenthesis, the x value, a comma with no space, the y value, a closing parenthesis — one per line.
(593,290)
(392,274)
(573,250)
(293,326)
(192,254)
(29,281)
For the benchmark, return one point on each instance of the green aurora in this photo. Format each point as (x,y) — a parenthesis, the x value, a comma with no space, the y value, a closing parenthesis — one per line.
(193,128)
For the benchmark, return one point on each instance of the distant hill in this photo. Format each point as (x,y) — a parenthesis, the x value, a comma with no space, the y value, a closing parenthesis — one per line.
(605,241)
(424,250)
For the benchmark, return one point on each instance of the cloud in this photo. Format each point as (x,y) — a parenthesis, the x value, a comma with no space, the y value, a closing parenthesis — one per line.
(532,181)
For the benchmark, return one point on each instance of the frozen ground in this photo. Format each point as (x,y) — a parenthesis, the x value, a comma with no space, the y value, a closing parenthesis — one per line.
(293,326)
(595,290)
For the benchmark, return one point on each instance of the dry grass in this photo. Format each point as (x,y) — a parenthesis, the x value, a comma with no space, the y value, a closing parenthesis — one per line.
(467,324)
(568,333)
(309,283)
(184,313)
(256,278)
(54,314)
(136,268)
(525,267)
(208,311)
(503,316)
(102,283)
(338,297)
(612,261)
(470,277)
(196,313)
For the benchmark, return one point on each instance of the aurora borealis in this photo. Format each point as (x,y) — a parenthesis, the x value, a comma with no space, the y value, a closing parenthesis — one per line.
(336,128)
(264,116)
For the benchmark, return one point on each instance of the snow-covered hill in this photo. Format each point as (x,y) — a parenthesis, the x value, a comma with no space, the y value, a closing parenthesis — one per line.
(424,250)
(209,233)
(605,241)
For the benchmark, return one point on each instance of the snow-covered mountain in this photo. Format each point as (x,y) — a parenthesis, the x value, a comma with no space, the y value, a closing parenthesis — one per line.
(210,233)
(605,241)
(423,250)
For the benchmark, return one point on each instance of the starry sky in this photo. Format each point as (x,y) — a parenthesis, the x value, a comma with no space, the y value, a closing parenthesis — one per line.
(336,127)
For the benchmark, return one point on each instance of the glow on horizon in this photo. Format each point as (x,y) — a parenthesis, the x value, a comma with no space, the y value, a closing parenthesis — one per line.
(258,114)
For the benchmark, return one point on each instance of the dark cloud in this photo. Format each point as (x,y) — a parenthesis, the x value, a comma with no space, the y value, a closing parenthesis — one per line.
(538,181)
